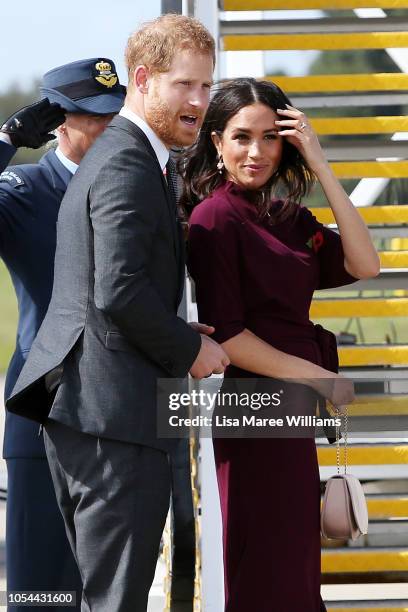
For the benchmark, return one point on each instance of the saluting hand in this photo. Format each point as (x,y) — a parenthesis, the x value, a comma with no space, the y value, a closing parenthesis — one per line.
(31,125)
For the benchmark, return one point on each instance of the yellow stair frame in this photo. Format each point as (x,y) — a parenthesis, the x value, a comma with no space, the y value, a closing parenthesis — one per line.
(290,5)
(335,83)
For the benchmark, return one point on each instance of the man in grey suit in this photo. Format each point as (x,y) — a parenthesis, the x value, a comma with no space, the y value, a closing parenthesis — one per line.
(111,329)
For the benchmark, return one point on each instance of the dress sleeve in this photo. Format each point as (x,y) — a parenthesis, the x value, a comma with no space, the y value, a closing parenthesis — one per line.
(214,264)
(327,245)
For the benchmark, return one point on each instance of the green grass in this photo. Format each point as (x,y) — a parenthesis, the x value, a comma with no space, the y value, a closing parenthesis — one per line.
(8,318)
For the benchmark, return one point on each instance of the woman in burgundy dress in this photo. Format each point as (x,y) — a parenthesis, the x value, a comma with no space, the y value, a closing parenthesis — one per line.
(256,260)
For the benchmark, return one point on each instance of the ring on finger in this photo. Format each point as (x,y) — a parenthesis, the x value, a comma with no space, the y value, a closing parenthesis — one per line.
(302,126)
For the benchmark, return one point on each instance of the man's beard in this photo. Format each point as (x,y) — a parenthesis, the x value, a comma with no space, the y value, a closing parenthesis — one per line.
(164,123)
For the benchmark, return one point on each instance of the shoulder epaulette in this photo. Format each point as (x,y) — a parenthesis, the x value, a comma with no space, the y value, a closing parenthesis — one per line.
(11,178)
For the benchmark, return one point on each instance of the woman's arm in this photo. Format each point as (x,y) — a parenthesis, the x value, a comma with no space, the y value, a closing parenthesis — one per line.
(251,353)
(360,256)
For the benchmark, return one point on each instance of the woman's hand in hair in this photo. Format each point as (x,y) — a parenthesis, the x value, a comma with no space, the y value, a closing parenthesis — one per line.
(296,128)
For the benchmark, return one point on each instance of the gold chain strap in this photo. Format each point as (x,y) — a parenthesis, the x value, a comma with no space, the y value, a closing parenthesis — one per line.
(338,416)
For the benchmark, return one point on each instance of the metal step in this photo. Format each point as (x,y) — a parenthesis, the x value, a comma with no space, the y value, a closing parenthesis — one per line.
(382,507)
(373,355)
(365,593)
(363,150)
(382,405)
(369,454)
(369,459)
(320,42)
(362,560)
(386,124)
(289,5)
(368,472)
(368,606)
(347,100)
(341,83)
(387,487)
(393,259)
(370,169)
(309,26)
(358,307)
(387,534)
(372,215)
(389,278)
(383,221)
(391,507)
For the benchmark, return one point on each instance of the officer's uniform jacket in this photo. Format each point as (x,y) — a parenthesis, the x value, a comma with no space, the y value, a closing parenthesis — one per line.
(6,153)
(30,197)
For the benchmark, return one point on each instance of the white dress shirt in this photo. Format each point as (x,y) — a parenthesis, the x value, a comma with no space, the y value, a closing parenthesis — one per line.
(69,164)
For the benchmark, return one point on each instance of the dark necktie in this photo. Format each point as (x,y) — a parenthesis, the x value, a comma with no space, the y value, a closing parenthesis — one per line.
(171,176)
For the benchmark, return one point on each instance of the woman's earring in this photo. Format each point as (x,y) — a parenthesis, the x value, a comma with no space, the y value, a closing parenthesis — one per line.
(220,165)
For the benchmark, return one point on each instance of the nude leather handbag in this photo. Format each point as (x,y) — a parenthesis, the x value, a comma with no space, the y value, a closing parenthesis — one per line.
(344,510)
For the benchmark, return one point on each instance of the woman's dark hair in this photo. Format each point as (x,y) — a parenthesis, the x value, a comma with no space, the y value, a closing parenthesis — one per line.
(291,181)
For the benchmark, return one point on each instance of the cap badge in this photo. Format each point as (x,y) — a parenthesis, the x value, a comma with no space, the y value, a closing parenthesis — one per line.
(105,76)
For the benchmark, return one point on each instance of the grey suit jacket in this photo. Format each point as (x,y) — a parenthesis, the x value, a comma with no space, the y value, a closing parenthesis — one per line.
(118,280)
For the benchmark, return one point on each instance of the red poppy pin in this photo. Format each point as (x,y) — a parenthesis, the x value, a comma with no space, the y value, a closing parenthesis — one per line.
(316,241)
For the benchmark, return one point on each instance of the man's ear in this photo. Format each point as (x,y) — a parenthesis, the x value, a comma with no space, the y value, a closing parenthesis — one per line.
(61,129)
(141,79)
(216,138)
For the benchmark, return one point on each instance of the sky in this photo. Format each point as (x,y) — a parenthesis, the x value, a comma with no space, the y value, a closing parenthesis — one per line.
(42,34)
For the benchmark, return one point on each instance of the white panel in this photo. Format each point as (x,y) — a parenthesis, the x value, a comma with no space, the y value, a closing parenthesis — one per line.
(367,191)
(207,12)
(242,64)
(212,573)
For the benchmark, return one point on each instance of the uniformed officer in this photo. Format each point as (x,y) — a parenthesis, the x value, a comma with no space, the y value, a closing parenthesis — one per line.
(38,554)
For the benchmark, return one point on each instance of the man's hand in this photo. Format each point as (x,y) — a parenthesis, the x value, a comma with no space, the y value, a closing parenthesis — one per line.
(202,328)
(30,126)
(211,359)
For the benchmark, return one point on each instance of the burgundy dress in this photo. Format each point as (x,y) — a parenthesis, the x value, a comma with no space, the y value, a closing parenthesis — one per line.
(250,274)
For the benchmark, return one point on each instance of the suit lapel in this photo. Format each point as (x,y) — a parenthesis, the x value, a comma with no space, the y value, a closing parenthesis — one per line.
(133,129)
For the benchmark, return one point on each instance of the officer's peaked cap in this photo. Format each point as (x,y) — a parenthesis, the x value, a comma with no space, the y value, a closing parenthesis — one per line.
(86,86)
